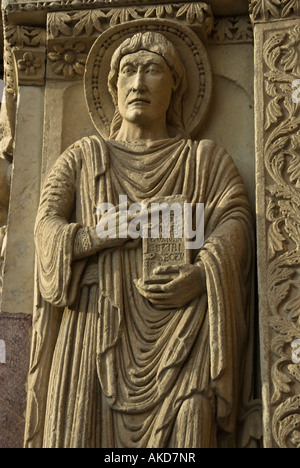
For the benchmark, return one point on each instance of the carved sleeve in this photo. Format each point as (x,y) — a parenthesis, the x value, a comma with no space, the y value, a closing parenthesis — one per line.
(86,243)
(54,234)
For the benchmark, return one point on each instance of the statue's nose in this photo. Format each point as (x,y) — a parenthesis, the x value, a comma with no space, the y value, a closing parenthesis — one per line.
(138,82)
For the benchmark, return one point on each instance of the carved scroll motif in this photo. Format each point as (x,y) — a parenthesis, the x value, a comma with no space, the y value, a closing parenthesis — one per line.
(281,55)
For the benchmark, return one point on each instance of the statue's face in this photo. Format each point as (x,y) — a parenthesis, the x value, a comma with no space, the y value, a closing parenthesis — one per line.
(145,86)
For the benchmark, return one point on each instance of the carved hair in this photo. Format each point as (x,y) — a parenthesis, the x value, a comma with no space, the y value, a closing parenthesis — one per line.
(158,44)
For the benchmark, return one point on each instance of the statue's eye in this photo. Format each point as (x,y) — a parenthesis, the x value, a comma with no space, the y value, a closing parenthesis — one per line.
(152,69)
(128,70)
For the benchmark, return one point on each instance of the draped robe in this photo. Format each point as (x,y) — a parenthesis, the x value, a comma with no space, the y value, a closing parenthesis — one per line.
(108,368)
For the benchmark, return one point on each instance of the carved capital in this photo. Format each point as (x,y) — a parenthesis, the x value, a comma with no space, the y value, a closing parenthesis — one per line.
(24,56)
(20,36)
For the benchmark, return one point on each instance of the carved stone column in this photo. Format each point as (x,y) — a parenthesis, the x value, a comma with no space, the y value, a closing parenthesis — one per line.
(277,121)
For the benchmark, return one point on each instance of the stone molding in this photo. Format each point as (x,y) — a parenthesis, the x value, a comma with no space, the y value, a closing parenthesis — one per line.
(127,7)
(220,7)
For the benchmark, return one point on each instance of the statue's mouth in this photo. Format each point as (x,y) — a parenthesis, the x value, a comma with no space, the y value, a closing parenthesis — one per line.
(139,100)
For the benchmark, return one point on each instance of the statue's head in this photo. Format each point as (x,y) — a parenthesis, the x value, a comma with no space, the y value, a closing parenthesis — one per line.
(150,55)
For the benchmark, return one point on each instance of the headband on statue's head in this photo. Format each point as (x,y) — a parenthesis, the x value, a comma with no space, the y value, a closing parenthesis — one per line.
(191,53)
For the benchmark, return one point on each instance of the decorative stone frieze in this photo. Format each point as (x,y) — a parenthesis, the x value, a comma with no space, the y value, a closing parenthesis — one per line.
(231,30)
(277,45)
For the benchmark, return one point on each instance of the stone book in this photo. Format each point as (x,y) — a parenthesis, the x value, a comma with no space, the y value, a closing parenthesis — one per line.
(165,243)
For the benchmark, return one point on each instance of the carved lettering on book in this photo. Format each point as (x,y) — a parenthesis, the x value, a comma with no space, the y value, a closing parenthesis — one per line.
(165,242)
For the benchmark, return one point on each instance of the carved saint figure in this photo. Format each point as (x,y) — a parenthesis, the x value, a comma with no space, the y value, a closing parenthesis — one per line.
(117,362)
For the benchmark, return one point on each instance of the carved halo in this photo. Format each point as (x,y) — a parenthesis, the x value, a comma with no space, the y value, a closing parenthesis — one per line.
(191,51)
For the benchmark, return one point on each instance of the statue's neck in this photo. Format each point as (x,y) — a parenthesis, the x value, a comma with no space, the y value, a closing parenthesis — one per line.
(131,132)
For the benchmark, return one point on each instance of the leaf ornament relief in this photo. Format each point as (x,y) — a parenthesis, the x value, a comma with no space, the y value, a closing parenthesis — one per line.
(282,163)
(90,22)
(265,8)
(273,9)
(58,24)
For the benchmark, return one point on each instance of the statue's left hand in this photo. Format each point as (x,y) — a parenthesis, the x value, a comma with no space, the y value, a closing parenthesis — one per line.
(173,286)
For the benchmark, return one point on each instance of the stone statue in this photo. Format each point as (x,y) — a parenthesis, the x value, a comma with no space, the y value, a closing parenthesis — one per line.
(117,361)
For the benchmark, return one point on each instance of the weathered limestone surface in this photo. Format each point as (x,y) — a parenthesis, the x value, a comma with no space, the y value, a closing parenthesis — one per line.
(17,296)
(50,106)
(14,362)
(4,199)
(46,45)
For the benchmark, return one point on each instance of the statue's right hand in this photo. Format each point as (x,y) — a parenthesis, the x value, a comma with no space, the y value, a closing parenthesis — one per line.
(112,228)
